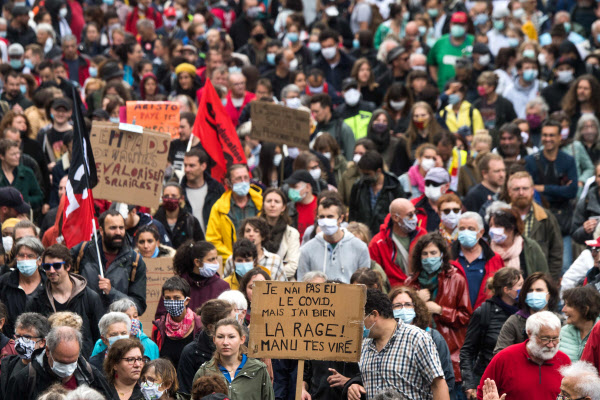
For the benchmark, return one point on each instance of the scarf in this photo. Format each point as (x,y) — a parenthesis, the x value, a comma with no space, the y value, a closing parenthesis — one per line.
(277,232)
(178,330)
(429,282)
(506,307)
(510,256)
(450,237)
(416,179)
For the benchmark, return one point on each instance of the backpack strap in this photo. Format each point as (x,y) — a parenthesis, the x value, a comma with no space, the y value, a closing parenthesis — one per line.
(471,119)
(31,380)
(79,257)
(134,267)
(484,322)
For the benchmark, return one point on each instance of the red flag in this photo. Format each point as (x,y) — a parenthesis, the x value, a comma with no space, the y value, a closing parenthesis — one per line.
(79,204)
(217,134)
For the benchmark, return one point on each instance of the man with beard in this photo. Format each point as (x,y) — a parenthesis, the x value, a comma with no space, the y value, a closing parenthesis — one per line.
(511,147)
(530,370)
(540,224)
(123,270)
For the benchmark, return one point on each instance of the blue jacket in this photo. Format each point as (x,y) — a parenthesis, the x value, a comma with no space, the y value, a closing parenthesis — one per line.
(565,171)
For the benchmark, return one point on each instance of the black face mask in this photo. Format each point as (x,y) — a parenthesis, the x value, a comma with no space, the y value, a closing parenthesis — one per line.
(259,37)
(369,180)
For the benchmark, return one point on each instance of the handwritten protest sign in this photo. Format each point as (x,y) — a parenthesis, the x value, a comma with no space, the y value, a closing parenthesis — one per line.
(158,270)
(130,164)
(300,320)
(278,124)
(160,116)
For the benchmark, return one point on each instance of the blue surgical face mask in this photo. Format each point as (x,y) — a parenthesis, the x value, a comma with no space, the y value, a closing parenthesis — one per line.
(355,44)
(112,340)
(407,315)
(16,64)
(27,267)
(293,37)
(453,99)
(499,24)
(431,264)
(513,42)
(23,88)
(241,268)
(315,47)
(115,120)
(367,331)
(93,71)
(27,62)
(467,238)
(271,58)
(457,31)
(480,19)
(241,188)
(536,300)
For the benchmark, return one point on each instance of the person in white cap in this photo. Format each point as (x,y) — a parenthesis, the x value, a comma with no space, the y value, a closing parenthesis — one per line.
(437,182)
(497,38)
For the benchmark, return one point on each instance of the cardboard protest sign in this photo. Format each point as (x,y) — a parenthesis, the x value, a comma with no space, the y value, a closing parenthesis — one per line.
(130,165)
(158,270)
(160,116)
(278,124)
(300,320)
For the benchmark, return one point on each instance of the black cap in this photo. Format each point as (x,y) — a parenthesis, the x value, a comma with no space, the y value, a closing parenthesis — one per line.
(349,83)
(395,52)
(100,114)
(300,175)
(62,102)
(481,48)
(111,70)
(17,11)
(11,197)
(563,61)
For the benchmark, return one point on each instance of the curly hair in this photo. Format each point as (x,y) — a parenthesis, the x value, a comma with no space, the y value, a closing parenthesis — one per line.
(8,119)
(259,224)
(183,262)
(423,242)
(422,315)
(208,384)
(570,102)
(585,299)
(66,318)
(115,354)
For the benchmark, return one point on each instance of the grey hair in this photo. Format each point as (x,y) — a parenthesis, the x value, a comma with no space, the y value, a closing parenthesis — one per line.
(68,38)
(414,56)
(309,276)
(30,242)
(147,23)
(46,28)
(61,334)
(113,317)
(561,14)
(289,88)
(473,215)
(539,101)
(236,298)
(84,392)
(586,118)
(495,206)
(543,318)
(35,321)
(588,381)
(122,305)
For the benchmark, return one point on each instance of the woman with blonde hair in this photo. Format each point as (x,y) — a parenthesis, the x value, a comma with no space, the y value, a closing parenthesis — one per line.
(369,88)
(247,377)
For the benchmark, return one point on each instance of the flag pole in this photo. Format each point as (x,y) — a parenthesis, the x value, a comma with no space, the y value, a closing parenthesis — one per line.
(80,125)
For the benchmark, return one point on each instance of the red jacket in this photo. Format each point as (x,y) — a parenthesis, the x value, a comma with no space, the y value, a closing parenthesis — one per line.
(83,69)
(383,251)
(233,112)
(77,20)
(420,211)
(134,16)
(453,297)
(520,378)
(493,263)
(591,351)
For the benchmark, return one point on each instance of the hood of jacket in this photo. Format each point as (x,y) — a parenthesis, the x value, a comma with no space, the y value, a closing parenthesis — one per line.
(79,285)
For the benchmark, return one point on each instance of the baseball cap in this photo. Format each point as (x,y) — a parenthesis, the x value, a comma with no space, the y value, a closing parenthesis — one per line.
(300,175)
(16,49)
(481,48)
(500,12)
(62,102)
(349,83)
(459,17)
(170,12)
(593,243)
(11,197)
(438,175)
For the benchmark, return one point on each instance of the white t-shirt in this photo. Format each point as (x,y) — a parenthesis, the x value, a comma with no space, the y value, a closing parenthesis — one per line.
(196,198)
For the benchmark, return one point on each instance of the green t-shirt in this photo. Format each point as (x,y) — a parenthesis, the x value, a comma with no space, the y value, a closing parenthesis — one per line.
(443,55)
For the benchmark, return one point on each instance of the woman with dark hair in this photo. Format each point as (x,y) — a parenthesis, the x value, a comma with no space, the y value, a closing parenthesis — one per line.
(507,240)
(179,223)
(197,263)
(380,132)
(246,286)
(256,47)
(187,82)
(537,294)
(270,167)
(443,286)
(284,240)
(368,277)
(247,377)
(130,53)
(123,367)
(485,325)
(90,41)
(398,102)
(411,309)
(352,174)
(149,87)
(158,380)
(363,73)
(422,128)
(147,242)
(505,64)
(582,308)
(327,146)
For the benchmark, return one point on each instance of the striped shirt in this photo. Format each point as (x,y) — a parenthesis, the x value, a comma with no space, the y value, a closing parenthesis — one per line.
(408,364)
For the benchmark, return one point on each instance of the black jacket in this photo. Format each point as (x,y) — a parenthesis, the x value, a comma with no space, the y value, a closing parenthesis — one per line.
(553,94)
(334,76)
(83,301)
(192,357)
(120,274)
(11,365)
(317,372)
(482,334)
(505,112)
(22,36)
(344,111)
(187,227)
(360,201)
(30,382)
(14,298)
(215,190)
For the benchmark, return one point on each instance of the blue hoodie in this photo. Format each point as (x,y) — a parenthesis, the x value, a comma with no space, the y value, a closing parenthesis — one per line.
(150,348)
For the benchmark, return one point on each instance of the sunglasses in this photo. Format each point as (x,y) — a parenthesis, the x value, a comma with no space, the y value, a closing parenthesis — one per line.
(432,183)
(56,265)
(454,210)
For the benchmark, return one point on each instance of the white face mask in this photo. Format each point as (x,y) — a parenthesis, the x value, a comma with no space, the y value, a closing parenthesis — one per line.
(277,159)
(356,158)
(484,59)
(315,173)
(329,226)
(450,220)
(397,105)
(63,12)
(7,243)
(329,52)
(427,163)
(293,65)
(293,103)
(352,97)
(433,193)
(63,370)
(327,155)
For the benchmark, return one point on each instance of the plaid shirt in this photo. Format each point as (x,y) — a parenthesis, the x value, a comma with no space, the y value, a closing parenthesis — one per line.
(270,261)
(408,364)
(528,221)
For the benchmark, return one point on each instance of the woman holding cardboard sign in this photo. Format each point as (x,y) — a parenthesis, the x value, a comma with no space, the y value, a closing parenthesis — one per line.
(246,378)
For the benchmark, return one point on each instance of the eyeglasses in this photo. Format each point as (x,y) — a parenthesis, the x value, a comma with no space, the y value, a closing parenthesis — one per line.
(133,360)
(595,250)
(56,265)
(546,340)
(403,305)
(454,210)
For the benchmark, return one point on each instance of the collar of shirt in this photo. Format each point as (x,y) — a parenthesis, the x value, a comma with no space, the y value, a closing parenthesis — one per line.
(237,371)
